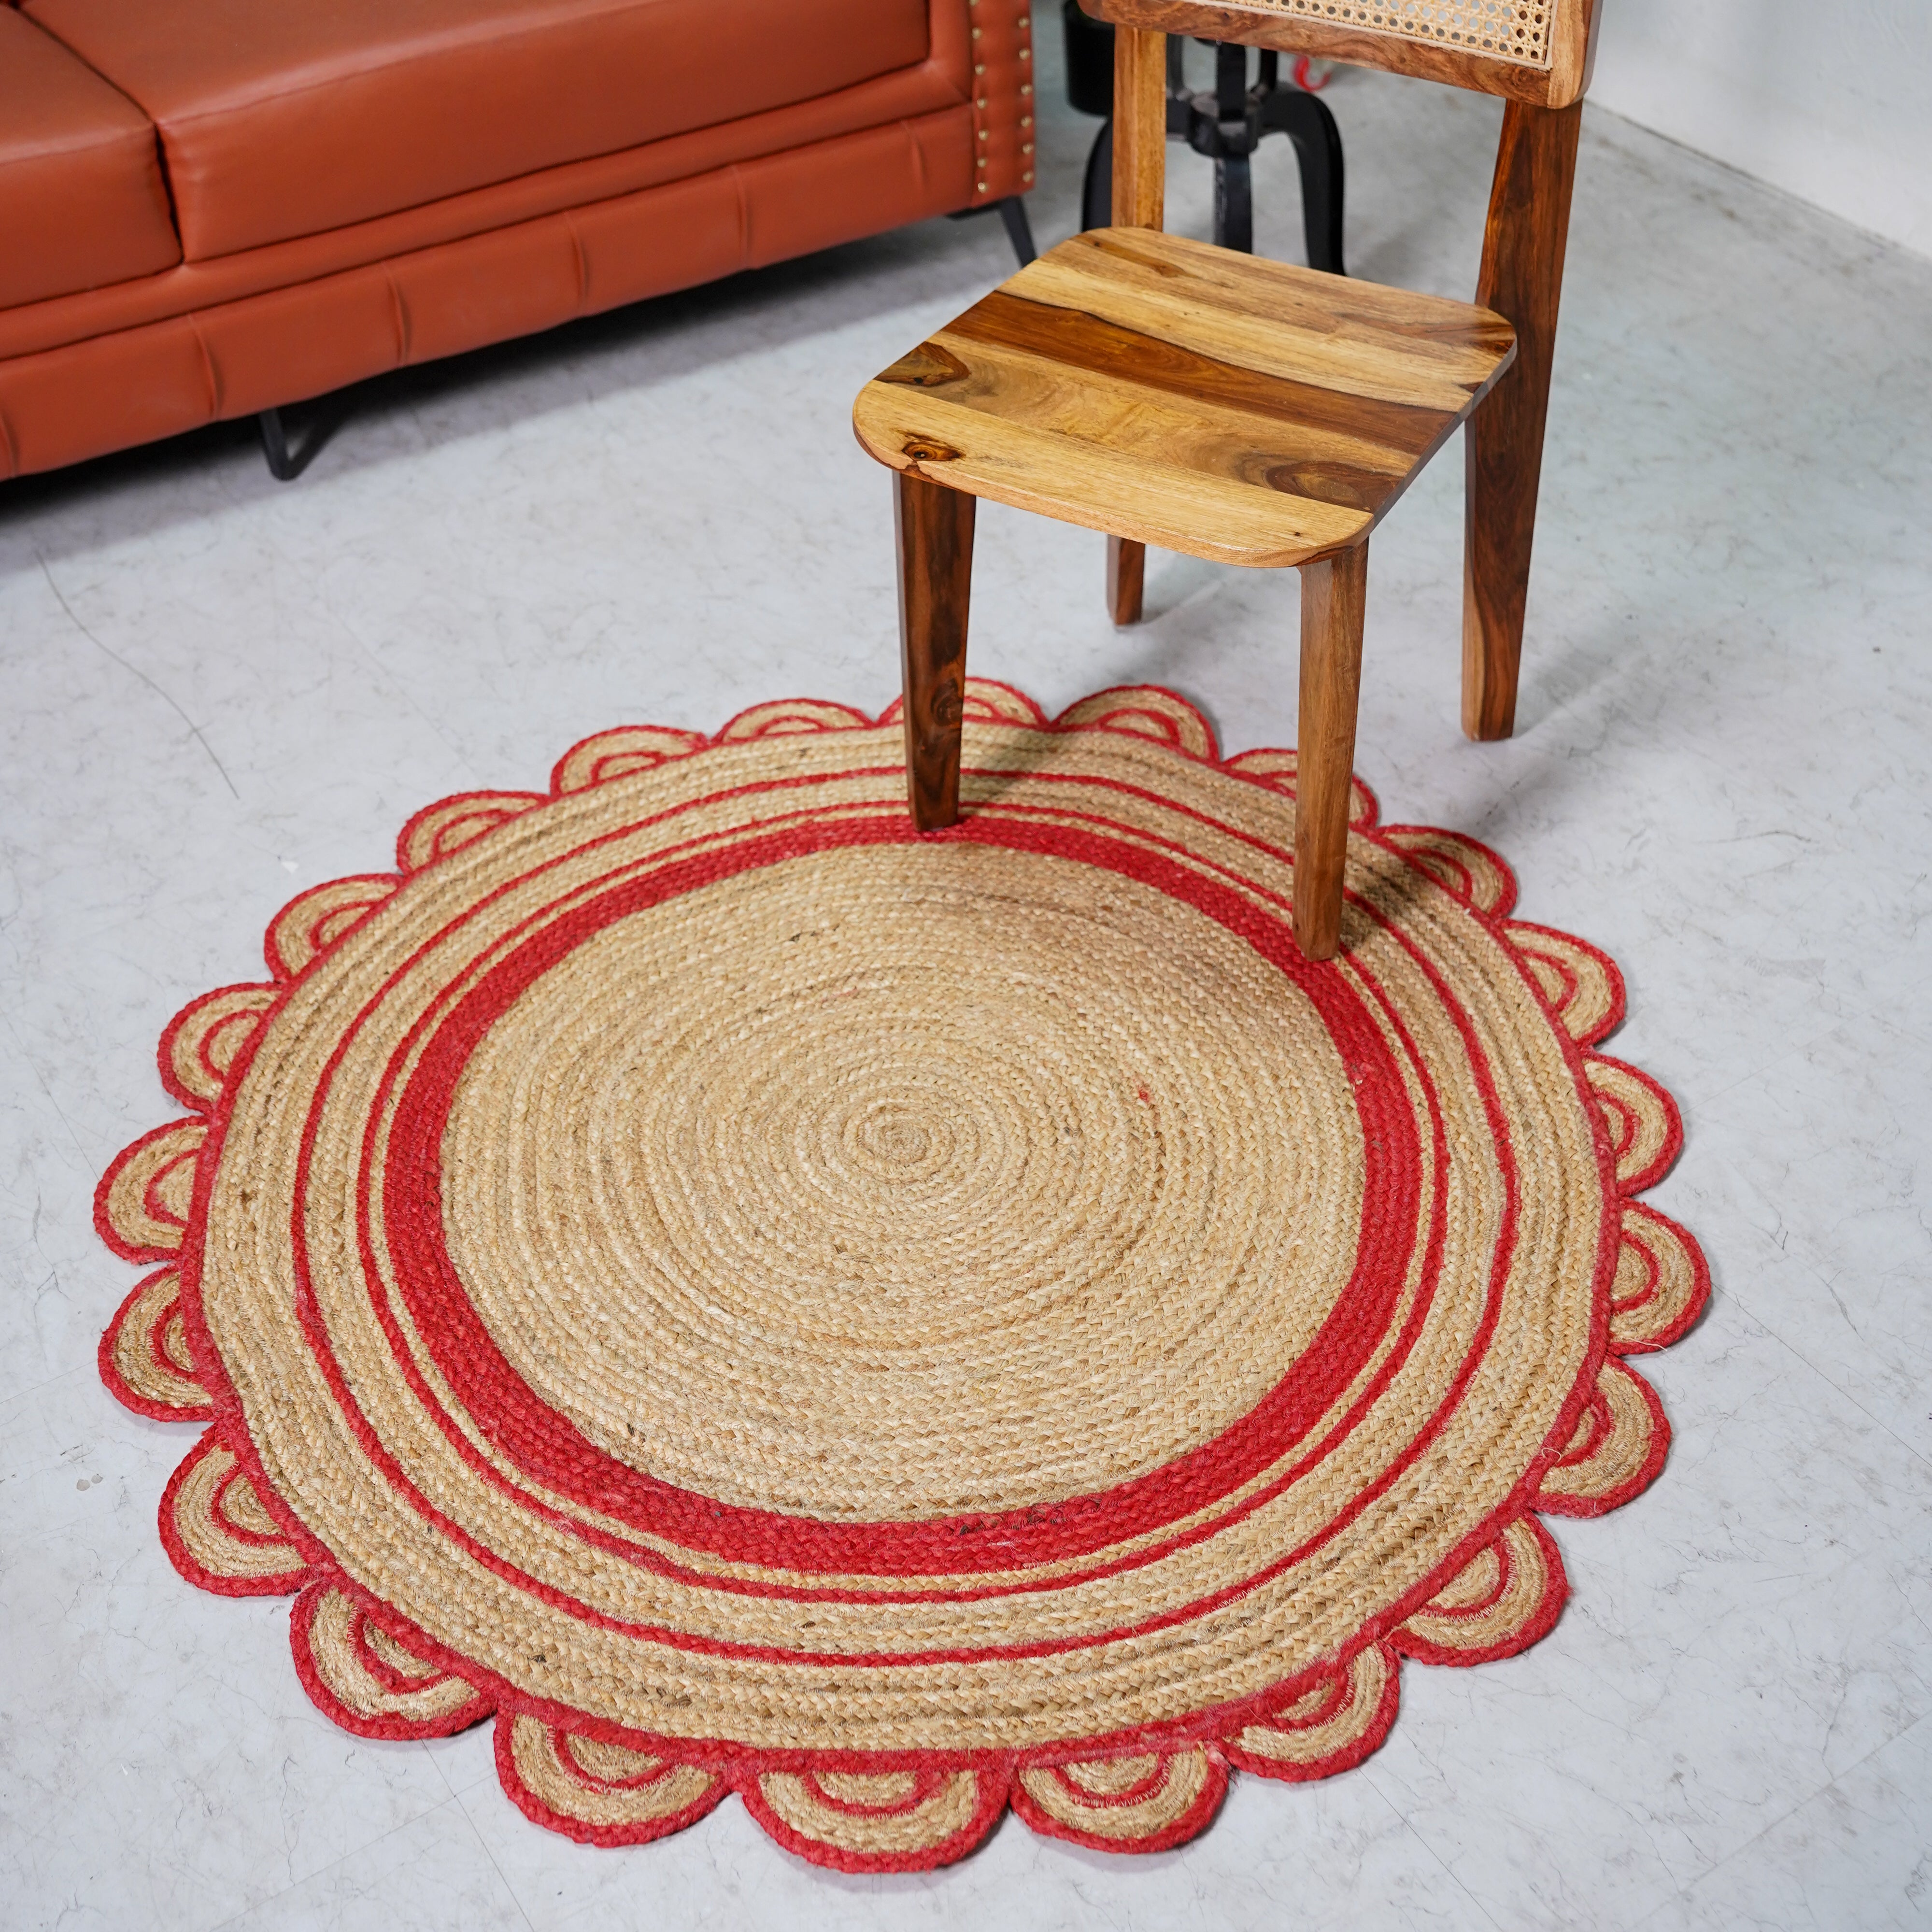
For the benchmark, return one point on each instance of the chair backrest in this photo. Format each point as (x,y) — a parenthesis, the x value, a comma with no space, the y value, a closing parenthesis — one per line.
(1537,51)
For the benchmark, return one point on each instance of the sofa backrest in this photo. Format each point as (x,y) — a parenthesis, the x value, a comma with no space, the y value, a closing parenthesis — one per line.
(279,120)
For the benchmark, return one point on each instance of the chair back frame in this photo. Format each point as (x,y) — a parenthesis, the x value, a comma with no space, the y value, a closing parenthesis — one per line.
(1524,241)
(1552,71)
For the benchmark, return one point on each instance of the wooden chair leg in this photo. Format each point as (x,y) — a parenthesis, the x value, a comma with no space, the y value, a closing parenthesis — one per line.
(1522,280)
(1333,595)
(1126,574)
(1139,155)
(935,543)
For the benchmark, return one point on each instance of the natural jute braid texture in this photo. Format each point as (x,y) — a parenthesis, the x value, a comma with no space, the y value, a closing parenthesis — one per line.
(757,1300)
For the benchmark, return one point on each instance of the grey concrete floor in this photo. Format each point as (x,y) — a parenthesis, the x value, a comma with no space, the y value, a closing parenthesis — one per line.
(217,690)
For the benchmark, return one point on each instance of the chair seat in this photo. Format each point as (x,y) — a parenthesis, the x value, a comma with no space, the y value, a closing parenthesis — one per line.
(1178,394)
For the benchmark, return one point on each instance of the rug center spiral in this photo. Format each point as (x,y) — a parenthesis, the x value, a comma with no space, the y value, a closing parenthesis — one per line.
(894,1137)
(889,1183)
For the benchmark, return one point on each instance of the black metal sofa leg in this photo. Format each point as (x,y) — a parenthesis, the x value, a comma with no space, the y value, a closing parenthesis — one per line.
(1013,214)
(1019,229)
(275,447)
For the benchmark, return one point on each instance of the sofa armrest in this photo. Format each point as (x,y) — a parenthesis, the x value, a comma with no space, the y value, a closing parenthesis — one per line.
(991,42)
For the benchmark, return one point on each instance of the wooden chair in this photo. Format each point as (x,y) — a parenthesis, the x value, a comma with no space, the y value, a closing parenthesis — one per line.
(1167,392)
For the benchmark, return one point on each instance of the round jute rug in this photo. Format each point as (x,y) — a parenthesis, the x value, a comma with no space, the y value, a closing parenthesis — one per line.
(757,1300)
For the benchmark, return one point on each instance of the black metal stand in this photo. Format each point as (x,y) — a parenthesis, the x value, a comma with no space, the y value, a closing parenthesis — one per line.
(1227,125)
(1013,215)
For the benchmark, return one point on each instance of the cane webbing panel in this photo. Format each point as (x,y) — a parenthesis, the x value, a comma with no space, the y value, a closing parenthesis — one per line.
(1511,30)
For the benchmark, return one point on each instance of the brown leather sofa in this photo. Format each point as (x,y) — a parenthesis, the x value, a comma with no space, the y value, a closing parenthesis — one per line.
(210,208)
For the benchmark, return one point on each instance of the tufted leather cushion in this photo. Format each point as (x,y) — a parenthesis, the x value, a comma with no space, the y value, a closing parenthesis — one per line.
(280,119)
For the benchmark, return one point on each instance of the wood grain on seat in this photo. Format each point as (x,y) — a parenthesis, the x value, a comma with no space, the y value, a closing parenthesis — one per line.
(1162,391)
